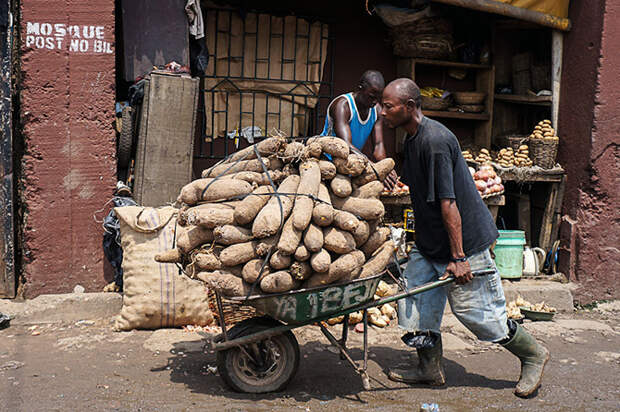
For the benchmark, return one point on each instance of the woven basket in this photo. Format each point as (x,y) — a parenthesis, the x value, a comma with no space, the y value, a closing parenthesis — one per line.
(469,97)
(431,25)
(233,312)
(543,152)
(472,108)
(435,103)
(429,46)
(513,140)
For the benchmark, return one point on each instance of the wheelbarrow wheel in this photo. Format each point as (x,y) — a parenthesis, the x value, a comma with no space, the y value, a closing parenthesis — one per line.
(260,367)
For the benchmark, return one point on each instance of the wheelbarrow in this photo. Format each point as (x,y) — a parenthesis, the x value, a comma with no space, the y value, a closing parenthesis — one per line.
(261,354)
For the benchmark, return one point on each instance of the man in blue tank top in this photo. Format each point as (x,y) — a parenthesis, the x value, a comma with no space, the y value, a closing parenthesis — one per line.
(355,116)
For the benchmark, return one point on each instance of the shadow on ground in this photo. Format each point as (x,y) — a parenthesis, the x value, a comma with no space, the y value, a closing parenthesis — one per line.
(318,377)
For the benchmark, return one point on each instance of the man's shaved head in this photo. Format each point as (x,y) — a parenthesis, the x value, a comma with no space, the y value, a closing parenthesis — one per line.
(401,105)
(405,89)
(372,78)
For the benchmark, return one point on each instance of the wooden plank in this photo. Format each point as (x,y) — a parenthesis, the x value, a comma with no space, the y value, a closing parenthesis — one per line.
(495,200)
(141,145)
(496,7)
(557,211)
(544,240)
(494,210)
(520,99)
(524,216)
(396,200)
(456,115)
(485,82)
(444,63)
(7,264)
(557,45)
(166,144)
(508,175)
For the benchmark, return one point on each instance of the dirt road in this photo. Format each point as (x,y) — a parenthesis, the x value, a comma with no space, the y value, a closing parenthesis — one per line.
(87,366)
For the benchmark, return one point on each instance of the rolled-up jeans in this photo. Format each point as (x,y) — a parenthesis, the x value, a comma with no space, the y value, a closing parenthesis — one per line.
(480,305)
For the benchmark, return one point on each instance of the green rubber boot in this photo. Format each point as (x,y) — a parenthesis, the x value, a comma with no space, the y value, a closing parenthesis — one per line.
(533,358)
(429,370)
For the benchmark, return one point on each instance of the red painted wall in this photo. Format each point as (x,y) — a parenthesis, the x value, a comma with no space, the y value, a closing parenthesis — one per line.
(69,165)
(589,149)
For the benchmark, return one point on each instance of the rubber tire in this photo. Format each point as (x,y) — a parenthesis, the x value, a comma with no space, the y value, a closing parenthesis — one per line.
(125,141)
(291,358)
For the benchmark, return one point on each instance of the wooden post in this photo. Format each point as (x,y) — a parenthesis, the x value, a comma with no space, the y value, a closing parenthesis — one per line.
(7,268)
(557,44)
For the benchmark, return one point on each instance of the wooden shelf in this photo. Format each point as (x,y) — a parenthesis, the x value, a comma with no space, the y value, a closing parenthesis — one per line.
(396,200)
(405,200)
(521,177)
(445,63)
(521,99)
(456,115)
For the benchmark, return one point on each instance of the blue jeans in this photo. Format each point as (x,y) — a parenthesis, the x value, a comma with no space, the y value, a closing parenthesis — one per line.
(480,305)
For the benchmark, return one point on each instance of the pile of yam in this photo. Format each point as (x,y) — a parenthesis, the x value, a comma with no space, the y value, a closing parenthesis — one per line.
(279,216)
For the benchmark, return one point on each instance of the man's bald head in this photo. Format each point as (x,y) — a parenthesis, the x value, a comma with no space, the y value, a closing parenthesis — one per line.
(404,89)
(372,78)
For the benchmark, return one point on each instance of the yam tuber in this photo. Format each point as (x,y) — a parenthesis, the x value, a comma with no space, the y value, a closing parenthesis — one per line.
(338,241)
(310,178)
(379,260)
(346,221)
(271,217)
(323,212)
(289,238)
(231,234)
(320,261)
(375,240)
(313,238)
(367,209)
(341,186)
(280,261)
(375,171)
(277,282)
(328,170)
(246,211)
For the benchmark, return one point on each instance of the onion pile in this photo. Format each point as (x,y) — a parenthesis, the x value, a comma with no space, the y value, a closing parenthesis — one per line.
(487,181)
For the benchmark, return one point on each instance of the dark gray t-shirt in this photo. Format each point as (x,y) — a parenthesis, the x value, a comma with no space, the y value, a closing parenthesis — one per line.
(434,169)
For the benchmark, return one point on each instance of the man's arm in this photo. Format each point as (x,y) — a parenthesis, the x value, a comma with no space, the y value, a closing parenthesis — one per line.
(379,151)
(341,114)
(452,222)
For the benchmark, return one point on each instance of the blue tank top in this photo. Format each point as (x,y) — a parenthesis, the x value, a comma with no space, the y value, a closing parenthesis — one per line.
(360,130)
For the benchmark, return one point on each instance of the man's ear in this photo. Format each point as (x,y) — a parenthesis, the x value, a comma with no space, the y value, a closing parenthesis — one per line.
(411,106)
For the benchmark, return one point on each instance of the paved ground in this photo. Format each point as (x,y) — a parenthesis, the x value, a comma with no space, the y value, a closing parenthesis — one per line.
(86,366)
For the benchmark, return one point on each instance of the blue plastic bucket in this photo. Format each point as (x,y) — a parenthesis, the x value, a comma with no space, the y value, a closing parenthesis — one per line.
(509,253)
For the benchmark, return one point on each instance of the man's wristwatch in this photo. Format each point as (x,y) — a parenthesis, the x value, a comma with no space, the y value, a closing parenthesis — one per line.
(463,259)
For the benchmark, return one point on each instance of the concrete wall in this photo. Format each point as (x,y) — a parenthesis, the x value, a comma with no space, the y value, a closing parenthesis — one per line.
(589,149)
(69,166)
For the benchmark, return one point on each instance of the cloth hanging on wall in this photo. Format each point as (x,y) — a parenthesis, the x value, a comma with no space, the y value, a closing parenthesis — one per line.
(194,17)
(265,71)
(557,8)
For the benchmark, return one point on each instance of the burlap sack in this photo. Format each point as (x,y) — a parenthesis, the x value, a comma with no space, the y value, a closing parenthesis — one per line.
(155,294)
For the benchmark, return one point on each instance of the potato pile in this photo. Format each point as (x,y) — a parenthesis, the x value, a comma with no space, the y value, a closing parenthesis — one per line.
(380,317)
(508,158)
(467,155)
(543,130)
(483,157)
(324,226)
(538,307)
(487,181)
